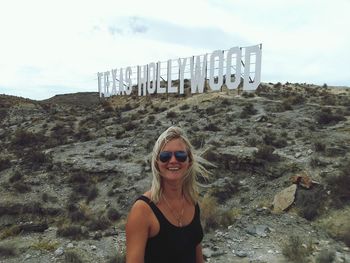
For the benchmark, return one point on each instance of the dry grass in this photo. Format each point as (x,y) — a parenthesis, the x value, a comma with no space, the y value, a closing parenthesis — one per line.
(336,224)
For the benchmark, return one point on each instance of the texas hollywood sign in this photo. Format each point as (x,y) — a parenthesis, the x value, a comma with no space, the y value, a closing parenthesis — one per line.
(221,67)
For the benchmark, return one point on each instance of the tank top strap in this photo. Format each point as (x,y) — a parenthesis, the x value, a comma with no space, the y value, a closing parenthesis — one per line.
(152,205)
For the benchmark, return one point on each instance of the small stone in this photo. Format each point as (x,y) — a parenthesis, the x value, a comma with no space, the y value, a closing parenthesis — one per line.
(93,247)
(28,256)
(70,245)
(241,254)
(297,155)
(59,251)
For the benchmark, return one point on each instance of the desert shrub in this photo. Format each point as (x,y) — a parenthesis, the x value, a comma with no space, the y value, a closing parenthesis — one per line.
(336,224)
(130,126)
(271,139)
(72,256)
(113,214)
(36,158)
(225,190)
(26,138)
(295,250)
(248,94)
(71,231)
(198,140)
(309,202)
(11,231)
(253,141)
(248,110)
(21,187)
(325,256)
(319,146)
(326,116)
(107,106)
(4,163)
(119,258)
(209,212)
(92,194)
(184,107)
(226,102)
(265,152)
(171,114)
(212,127)
(45,245)
(7,250)
(295,99)
(285,105)
(79,178)
(316,162)
(210,110)
(229,216)
(339,189)
(151,118)
(83,135)
(100,223)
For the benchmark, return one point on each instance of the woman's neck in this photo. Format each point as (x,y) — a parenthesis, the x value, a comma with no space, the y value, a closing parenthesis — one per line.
(172,191)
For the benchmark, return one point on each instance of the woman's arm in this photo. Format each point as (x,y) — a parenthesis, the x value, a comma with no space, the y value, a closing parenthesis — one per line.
(199,254)
(137,229)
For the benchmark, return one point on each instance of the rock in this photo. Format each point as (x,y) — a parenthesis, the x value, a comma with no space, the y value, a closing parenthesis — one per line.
(59,252)
(297,155)
(241,254)
(207,252)
(261,230)
(70,245)
(284,199)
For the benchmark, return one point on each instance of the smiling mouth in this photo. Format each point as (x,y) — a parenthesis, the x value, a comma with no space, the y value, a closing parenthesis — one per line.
(173,168)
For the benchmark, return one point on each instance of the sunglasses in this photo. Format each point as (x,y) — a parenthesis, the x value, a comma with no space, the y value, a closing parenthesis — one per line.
(180,156)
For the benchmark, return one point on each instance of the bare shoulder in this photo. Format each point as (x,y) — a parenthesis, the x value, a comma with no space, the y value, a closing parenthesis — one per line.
(140,209)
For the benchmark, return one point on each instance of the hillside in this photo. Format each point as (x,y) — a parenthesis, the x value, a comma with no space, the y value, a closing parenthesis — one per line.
(71,166)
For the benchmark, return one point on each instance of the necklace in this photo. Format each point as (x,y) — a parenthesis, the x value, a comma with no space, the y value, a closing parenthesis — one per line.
(177,216)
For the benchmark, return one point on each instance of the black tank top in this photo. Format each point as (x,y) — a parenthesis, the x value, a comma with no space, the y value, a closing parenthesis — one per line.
(173,244)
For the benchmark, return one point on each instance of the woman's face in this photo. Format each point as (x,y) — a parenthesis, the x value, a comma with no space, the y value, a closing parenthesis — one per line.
(173,169)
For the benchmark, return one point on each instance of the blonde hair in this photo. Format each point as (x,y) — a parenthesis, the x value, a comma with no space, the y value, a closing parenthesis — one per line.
(196,168)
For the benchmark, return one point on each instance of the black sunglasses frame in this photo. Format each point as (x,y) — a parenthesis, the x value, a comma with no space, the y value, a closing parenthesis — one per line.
(180,156)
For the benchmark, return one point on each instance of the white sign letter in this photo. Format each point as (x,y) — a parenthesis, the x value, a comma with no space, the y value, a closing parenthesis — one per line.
(251,84)
(214,55)
(181,74)
(128,73)
(198,74)
(151,83)
(237,75)
(171,89)
(142,81)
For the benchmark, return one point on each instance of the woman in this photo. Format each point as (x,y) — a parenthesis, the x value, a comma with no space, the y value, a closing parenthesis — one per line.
(163,225)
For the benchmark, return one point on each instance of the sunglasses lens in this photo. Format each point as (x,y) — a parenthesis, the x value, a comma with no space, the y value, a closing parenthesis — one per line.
(165,156)
(180,156)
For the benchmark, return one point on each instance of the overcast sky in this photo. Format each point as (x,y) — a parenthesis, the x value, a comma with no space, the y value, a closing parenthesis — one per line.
(54,47)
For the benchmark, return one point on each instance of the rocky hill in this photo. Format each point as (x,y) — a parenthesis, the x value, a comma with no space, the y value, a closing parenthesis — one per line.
(71,166)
